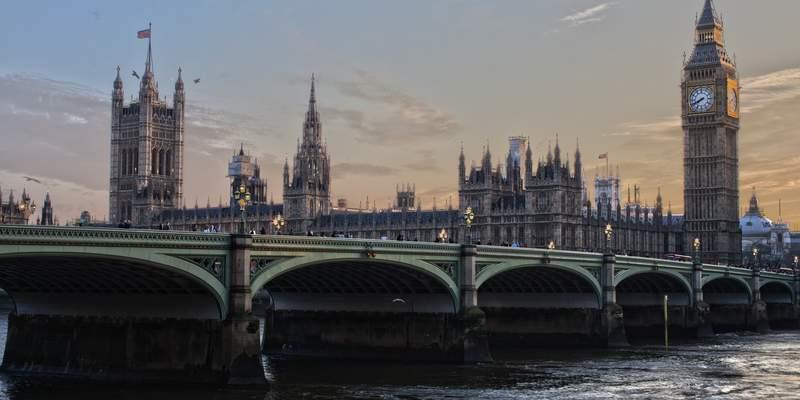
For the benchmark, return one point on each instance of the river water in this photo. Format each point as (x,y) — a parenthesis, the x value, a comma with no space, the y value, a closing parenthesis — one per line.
(726,367)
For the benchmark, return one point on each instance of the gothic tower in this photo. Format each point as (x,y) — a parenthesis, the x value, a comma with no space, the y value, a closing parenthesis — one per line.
(146,150)
(47,211)
(306,194)
(710,111)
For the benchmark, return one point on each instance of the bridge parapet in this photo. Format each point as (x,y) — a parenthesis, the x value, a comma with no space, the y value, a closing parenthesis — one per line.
(82,236)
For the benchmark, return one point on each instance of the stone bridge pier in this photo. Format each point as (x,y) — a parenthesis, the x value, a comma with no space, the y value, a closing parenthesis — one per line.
(129,306)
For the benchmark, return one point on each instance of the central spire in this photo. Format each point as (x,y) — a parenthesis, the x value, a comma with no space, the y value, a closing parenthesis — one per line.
(312,99)
(709,16)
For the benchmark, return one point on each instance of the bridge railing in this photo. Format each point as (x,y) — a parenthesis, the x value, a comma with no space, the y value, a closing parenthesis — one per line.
(32,234)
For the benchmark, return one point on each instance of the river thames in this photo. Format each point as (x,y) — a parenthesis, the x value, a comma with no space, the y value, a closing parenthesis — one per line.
(726,367)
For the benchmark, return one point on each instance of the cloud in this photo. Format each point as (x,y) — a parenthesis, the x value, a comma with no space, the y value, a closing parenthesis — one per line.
(761,91)
(401,118)
(426,162)
(591,14)
(342,170)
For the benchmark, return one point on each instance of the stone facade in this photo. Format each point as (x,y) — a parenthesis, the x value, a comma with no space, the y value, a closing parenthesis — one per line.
(16,211)
(146,168)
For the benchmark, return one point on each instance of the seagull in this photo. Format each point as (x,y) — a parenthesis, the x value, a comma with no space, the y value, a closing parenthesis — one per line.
(135,74)
(29,179)
(197,80)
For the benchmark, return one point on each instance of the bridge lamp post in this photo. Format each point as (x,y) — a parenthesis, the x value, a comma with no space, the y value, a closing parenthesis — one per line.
(26,210)
(609,231)
(551,245)
(469,218)
(755,257)
(278,223)
(443,236)
(696,246)
(242,197)
(796,259)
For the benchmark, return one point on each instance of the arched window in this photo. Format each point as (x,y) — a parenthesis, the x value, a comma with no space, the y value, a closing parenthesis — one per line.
(161,162)
(168,165)
(154,162)
(135,161)
(123,170)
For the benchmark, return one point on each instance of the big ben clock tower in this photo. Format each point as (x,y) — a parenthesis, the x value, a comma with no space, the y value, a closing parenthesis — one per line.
(710,112)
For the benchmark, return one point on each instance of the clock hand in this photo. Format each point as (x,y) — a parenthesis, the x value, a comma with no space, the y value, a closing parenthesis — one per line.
(698,101)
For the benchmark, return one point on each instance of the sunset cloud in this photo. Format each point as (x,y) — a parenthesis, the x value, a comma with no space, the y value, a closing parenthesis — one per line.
(591,14)
(403,120)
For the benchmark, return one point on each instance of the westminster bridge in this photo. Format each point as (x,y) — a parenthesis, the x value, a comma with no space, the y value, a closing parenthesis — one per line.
(135,304)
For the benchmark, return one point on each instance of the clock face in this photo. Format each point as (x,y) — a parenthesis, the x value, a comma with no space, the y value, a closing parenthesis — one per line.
(733,100)
(701,99)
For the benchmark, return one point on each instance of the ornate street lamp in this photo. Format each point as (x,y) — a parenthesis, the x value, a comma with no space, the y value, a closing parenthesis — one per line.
(443,236)
(278,223)
(796,259)
(696,246)
(551,245)
(26,210)
(242,197)
(469,218)
(755,257)
(608,232)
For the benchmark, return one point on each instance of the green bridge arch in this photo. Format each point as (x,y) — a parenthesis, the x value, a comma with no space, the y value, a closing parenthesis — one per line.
(741,281)
(284,266)
(493,270)
(137,255)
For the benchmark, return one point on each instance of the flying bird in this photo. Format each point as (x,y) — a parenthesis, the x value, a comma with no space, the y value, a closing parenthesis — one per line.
(197,80)
(135,74)
(29,179)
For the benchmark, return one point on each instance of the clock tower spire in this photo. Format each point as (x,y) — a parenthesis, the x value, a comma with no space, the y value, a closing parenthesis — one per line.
(710,119)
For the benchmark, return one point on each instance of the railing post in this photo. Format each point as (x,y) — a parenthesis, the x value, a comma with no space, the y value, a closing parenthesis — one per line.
(607,279)
(241,344)
(758,319)
(466,277)
(612,322)
(472,319)
(701,312)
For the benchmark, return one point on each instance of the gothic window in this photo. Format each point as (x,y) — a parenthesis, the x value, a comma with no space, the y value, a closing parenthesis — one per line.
(124,163)
(161,162)
(168,157)
(135,161)
(154,162)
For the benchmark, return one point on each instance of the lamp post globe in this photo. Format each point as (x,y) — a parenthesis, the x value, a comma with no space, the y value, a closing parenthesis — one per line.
(696,246)
(469,218)
(609,231)
(278,223)
(243,199)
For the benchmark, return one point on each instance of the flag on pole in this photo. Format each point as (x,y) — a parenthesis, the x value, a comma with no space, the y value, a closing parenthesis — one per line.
(143,34)
(603,156)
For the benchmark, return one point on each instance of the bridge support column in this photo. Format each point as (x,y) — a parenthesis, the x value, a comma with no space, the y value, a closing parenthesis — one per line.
(701,311)
(241,351)
(612,322)
(796,299)
(757,319)
(472,319)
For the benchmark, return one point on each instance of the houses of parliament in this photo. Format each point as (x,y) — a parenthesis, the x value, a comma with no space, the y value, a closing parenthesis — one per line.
(519,202)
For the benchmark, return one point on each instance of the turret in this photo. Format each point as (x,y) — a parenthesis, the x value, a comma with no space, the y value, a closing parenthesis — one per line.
(286,174)
(529,160)
(462,168)
(557,154)
(578,163)
(117,99)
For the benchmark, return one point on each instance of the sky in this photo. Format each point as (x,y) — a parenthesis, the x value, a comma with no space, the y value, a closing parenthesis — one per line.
(400,85)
